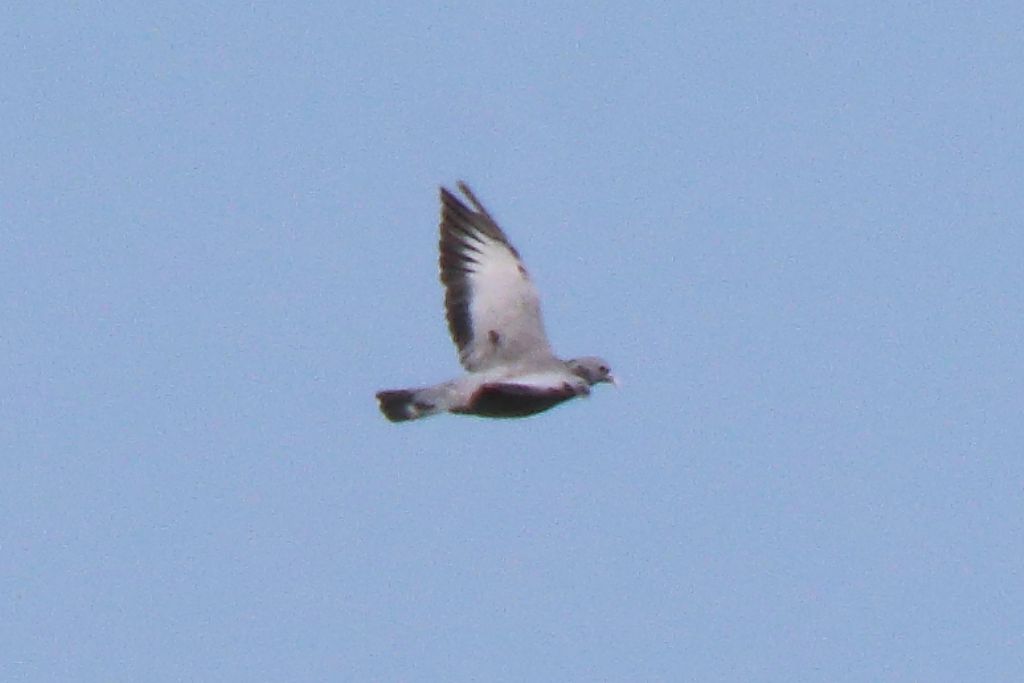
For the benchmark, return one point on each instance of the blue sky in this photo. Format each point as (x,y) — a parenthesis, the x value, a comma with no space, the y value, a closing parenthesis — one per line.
(795,230)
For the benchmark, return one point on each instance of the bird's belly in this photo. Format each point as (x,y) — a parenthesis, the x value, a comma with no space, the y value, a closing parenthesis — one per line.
(514,400)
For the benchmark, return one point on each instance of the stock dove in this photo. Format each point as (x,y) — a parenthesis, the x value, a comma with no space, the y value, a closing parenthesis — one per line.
(493,313)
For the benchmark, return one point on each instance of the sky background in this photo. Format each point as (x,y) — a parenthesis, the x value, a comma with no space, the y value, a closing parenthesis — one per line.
(796,231)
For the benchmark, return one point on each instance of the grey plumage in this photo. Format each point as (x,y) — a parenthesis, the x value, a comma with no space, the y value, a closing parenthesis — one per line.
(493,314)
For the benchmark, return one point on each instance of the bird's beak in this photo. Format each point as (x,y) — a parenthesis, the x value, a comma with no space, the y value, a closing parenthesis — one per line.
(613,381)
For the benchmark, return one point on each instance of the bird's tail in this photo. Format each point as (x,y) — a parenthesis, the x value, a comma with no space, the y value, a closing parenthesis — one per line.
(399,405)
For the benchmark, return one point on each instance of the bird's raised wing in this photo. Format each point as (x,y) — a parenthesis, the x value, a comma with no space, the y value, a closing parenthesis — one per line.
(492,306)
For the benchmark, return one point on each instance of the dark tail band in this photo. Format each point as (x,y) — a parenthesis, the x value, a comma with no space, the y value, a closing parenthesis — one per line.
(396,405)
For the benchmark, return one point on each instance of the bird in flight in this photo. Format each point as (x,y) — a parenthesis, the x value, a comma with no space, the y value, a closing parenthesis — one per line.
(494,317)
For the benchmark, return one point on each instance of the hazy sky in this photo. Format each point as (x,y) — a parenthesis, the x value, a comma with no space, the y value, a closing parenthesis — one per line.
(796,230)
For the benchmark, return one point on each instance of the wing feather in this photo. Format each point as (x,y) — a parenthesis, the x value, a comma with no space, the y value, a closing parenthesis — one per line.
(492,307)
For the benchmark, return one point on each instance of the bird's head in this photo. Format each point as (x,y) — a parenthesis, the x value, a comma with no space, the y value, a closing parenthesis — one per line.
(594,370)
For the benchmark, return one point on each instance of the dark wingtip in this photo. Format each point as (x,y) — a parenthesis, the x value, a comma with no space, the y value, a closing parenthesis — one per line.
(477,205)
(395,404)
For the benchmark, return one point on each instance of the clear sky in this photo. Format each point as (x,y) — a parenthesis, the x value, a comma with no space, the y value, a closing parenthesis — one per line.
(796,230)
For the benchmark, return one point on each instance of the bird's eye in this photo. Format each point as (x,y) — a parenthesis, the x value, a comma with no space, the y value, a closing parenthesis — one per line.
(603,368)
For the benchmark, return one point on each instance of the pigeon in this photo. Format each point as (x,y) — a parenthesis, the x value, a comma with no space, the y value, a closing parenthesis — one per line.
(493,313)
